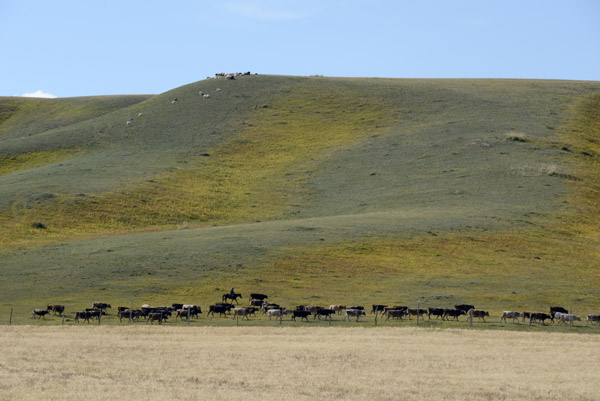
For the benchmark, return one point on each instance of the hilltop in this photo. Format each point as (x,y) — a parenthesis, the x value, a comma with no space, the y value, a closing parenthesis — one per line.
(362,189)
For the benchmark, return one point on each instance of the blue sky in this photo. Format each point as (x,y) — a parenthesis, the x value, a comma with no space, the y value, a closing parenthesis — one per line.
(101,47)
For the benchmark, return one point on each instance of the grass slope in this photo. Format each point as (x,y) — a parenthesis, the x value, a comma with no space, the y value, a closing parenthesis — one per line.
(321,190)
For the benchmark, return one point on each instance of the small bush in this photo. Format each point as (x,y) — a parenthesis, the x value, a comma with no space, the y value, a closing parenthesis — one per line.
(516,137)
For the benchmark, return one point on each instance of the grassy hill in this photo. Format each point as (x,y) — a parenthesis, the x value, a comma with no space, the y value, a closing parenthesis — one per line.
(310,189)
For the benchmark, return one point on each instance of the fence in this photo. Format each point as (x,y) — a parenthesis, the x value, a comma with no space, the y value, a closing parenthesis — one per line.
(26,316)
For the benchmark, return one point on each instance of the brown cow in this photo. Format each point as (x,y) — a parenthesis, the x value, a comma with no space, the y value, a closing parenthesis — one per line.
(414,311)
(56,308)
(155,316)
(479,314)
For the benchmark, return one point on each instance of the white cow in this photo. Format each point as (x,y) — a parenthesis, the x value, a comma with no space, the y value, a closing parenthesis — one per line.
(274,312)
(243,312)
(510,315)
(558,316)
(337,308)
(567,317)
(353,313)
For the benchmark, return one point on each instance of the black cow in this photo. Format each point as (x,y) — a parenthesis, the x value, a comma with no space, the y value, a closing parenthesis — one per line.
(593,318)
(378,308)
(302,314)
(39,313)
(437,312)
(261,297)
(464,307)
(226,305)
(324,312)
(525,315)
(453,313)
(554,309)
(85,315)
(220,309)
(541,316)
(94,313)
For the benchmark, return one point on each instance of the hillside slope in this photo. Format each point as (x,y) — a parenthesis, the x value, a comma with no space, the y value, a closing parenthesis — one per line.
(419,183)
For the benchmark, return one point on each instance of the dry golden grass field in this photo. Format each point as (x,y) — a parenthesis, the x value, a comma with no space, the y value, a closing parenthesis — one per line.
(254,363)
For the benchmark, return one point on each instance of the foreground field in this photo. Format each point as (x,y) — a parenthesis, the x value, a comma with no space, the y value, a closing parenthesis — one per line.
(157,363)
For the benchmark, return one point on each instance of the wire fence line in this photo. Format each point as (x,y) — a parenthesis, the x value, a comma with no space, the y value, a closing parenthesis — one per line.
(472,318)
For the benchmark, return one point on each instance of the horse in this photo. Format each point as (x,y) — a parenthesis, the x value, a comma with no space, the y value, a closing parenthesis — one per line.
(233,297)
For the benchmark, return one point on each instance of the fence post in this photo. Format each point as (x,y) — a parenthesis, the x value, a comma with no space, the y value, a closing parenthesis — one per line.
(131,313)
(376,312)
(10,319)
(188,317)
(470,317)
(63,319)
(530,317)
(570,320)
(418,311)
(99,317)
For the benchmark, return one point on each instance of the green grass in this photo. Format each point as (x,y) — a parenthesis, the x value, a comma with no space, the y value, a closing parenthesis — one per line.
(24,161)
(314,191)
(21,117)
(245,179)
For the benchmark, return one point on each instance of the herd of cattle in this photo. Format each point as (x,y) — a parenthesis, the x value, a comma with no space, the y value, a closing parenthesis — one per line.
(259,303)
